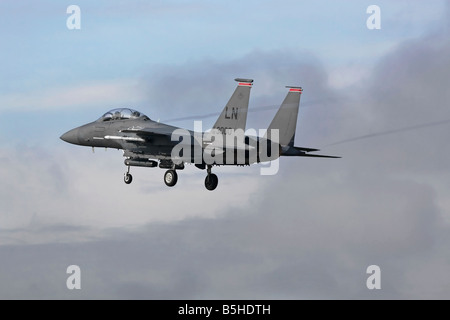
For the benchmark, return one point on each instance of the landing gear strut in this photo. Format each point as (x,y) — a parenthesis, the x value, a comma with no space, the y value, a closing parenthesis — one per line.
(170,178)
(128,178)
(211,180)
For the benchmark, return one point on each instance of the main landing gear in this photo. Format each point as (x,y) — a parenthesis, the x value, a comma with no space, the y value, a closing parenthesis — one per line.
(128,178)
(171,178)
(211,180)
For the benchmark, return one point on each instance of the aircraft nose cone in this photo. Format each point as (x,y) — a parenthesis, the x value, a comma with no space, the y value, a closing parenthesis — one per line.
(70,136)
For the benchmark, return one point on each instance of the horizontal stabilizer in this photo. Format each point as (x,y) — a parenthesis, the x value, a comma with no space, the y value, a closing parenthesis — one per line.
(302,152)
(306,149)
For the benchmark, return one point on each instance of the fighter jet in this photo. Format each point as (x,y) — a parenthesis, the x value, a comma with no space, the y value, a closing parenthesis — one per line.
(148,143)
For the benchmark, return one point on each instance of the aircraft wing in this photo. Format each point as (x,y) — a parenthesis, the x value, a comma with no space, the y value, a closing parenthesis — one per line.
(318,156)
(303,152)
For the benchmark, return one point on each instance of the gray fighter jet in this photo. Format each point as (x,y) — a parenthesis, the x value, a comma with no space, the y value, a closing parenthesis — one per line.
(148,143)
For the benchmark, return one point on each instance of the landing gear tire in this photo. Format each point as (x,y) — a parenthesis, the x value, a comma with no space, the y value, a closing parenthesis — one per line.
(128,178)
(170,178)
(211,182)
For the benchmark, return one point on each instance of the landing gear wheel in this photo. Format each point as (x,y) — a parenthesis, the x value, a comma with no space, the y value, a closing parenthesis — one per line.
(211,182)
(170,178)
(128,178)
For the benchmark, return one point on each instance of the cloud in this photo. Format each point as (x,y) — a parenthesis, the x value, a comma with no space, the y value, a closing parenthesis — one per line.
(308,232)
(275,248)
(204,87)
(45,189)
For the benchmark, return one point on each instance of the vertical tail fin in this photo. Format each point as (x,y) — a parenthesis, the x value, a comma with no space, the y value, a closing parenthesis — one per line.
(286,118)
(234,115)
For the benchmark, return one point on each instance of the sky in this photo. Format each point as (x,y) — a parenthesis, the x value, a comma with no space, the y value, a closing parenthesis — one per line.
(378,98)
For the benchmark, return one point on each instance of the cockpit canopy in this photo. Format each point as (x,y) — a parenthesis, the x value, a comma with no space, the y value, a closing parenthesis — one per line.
(122,114)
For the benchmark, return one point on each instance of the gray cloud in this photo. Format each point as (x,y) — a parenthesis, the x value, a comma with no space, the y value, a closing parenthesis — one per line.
(285,246)
(204,87)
